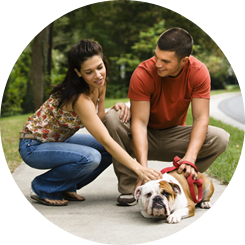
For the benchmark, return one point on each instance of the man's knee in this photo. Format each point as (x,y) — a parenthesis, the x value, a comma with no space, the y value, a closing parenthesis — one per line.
(112,120)
(221,138)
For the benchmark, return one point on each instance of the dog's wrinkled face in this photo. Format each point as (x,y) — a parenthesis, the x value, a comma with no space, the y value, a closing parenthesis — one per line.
(157,198)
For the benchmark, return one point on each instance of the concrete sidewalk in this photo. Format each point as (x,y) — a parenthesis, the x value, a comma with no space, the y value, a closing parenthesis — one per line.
(216,113)
(98,218)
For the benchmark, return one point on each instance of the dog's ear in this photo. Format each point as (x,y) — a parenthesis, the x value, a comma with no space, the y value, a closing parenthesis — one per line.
(176,188)
(137,192)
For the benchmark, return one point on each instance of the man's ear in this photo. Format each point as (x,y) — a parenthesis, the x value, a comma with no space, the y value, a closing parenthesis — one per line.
(78,72)
(184,60)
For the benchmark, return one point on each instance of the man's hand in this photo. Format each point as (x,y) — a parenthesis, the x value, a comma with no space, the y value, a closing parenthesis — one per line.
(189,170)
(125,111)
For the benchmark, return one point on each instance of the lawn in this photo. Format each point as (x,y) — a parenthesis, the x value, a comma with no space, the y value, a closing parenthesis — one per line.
(223,168)
(225,165)
(10,128)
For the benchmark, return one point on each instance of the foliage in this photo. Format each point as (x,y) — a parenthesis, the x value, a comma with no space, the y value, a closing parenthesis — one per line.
(15,89)
(5,78)
(143,49)
(128,32)
(116,91)
(115,25)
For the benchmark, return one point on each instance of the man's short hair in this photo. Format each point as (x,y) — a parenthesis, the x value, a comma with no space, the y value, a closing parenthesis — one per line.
(178,40)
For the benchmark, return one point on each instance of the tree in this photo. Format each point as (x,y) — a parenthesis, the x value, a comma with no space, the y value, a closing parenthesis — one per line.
(39,66)
(50,45)
(127,31)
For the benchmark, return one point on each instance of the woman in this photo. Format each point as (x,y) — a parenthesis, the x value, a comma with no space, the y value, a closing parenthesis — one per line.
(48,140)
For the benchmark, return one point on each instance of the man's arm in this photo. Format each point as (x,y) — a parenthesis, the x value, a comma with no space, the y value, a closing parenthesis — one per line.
(140,116)
(200,113)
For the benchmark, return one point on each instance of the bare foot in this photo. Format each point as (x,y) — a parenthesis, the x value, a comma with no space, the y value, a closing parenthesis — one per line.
(59,202)
(73,196)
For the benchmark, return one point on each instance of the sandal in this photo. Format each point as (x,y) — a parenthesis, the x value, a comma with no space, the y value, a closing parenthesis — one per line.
(42,201)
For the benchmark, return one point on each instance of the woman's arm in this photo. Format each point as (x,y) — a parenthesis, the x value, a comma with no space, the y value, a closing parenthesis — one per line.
(84,108)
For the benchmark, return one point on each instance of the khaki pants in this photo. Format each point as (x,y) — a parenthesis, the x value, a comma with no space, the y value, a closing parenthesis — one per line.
(163,145)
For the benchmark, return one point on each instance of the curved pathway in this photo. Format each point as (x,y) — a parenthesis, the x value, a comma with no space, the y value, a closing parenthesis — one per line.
(228,108)
(233,107)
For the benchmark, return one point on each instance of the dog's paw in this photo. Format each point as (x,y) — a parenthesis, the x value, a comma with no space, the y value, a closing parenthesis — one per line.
(205,205)
(173,219)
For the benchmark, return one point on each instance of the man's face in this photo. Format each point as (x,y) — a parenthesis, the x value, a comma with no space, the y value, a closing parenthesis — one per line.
(167,63)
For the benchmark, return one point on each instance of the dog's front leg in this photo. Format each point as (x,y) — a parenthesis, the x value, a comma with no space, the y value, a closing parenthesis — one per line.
(177,215)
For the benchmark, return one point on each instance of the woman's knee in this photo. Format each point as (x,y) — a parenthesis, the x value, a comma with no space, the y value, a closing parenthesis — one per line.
(92,160)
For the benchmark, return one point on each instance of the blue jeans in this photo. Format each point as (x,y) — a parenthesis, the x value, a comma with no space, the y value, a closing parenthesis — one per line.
(73,163)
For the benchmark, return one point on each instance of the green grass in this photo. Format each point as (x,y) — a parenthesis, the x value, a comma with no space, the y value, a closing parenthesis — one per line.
(111,102)
(10,128)
(223,168)
(225,165)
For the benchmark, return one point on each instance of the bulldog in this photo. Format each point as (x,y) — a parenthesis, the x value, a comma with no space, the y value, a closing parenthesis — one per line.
(170,197)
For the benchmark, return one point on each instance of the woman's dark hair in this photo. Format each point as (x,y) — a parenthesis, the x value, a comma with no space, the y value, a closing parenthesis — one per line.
(73,85)
(178,40)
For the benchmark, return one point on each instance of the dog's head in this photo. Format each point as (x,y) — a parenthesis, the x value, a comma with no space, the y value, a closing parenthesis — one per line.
(157,198)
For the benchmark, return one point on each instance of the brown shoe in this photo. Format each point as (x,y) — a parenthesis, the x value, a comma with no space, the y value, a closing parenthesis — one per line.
(126,200)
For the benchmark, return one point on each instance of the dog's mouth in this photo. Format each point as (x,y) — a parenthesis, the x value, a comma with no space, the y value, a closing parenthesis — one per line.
(158,207)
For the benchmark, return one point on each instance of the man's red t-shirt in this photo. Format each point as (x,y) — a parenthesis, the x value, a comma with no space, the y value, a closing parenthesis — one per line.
(169,96)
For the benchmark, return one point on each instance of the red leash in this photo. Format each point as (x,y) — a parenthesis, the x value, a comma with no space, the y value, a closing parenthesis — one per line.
(191,182)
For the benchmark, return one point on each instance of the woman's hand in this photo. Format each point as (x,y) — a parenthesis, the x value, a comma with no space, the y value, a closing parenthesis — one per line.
(145,175)
(125,111)
(138,183)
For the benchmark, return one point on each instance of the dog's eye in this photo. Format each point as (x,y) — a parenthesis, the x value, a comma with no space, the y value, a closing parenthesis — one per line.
(166,194)
(148,195)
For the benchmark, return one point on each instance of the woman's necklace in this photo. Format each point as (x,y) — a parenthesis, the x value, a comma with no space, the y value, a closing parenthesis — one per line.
(94,96)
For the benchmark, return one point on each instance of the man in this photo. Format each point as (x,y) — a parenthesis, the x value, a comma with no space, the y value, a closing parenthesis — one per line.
(160,91)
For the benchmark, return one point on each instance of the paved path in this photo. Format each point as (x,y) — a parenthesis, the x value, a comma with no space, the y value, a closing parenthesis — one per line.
(233,107)
(98,219)
(228,108)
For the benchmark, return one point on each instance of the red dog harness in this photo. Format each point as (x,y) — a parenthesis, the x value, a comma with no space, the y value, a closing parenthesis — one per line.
(191,182)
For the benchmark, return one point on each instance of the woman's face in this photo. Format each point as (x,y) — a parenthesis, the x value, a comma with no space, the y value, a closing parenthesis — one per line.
(93,72)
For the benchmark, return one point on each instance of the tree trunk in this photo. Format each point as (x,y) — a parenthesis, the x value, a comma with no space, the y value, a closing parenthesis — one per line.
(38,65)
(50,46)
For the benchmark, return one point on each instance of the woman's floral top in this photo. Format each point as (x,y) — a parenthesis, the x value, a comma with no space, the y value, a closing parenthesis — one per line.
(52,124)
